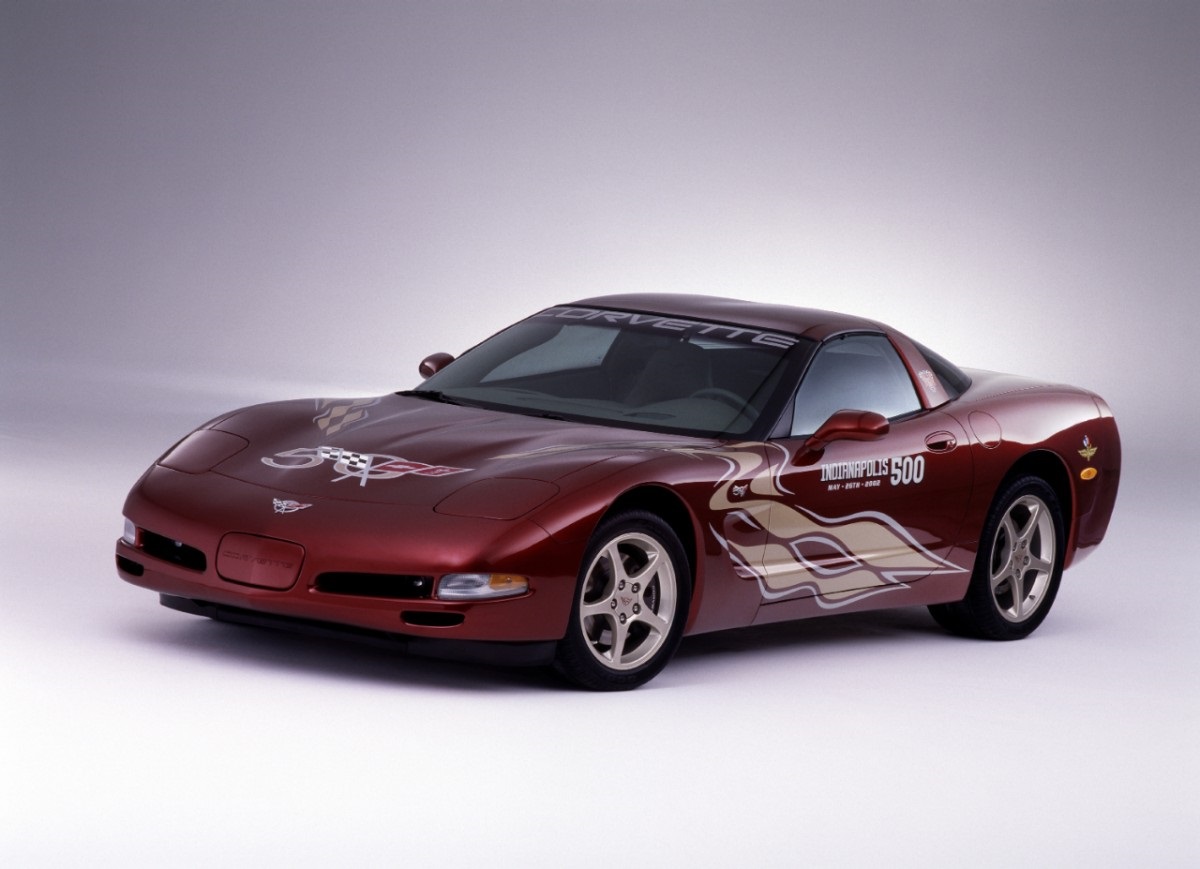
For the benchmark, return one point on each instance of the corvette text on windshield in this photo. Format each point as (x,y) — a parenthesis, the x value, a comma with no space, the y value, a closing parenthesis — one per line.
(672,324)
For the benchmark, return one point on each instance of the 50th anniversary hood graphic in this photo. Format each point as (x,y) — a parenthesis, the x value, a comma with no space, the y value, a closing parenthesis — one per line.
(353,464)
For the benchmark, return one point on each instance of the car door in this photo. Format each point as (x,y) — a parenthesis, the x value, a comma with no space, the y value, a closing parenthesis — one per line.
(853,518)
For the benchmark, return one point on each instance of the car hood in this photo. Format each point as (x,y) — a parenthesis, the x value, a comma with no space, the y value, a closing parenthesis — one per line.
(405,450)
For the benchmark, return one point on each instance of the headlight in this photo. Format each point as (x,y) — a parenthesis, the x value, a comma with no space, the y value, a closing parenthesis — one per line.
(480,586)
(202,451)
(130,535)
(504,498)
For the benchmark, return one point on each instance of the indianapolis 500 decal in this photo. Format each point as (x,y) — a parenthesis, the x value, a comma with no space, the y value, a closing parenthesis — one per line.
(836,560)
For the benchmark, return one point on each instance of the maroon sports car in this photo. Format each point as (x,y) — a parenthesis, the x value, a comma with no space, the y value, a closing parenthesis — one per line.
(591,484)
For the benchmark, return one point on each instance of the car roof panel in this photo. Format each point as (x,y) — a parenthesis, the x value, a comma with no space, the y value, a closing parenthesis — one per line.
(807,322)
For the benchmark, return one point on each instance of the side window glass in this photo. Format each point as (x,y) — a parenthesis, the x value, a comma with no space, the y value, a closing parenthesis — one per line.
(857,372)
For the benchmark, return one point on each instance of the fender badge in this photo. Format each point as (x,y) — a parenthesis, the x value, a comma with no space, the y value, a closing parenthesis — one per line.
(1088,450)
(282,506)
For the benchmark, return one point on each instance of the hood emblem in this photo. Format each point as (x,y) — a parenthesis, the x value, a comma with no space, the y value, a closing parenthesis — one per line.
(287,506)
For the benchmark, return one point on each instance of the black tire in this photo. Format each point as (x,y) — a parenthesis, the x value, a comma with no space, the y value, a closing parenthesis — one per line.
(627,618)
(1018,568)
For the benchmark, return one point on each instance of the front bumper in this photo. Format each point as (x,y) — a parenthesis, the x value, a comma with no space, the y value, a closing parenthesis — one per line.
(281,567)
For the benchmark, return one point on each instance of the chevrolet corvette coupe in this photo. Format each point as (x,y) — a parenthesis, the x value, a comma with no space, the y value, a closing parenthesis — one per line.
(594,482)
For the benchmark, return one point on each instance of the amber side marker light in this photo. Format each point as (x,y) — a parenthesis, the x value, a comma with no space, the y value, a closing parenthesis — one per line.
(1088,474)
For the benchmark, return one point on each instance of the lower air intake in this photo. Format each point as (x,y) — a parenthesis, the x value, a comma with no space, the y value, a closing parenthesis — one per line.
(391,586)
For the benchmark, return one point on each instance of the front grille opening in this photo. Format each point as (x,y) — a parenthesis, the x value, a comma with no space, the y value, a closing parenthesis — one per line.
(391,586)
(174,551)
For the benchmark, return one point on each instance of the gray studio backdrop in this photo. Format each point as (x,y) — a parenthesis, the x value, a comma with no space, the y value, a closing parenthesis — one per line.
(323,193)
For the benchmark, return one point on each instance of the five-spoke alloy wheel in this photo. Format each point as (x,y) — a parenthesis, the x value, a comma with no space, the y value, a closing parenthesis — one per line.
(1018,568)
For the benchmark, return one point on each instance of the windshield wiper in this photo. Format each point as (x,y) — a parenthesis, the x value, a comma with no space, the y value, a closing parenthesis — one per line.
(430,395)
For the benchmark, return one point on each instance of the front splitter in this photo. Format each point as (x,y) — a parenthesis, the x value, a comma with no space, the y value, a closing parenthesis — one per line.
(507,654)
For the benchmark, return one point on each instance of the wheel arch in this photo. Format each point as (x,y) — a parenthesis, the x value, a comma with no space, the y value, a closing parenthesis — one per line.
(668,506)
(1047,466)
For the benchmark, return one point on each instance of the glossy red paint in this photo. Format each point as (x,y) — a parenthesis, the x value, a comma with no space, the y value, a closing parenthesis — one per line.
(351,511)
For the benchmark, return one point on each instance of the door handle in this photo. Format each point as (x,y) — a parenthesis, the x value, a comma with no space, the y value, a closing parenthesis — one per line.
(941,442)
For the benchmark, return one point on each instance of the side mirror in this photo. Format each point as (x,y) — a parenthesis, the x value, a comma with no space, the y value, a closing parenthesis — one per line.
(848,425)
(434,363)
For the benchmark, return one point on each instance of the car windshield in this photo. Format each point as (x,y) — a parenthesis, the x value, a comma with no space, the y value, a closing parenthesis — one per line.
(635,370)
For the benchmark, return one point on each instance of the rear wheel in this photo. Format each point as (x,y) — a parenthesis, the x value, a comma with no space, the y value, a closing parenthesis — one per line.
(1018,568)
(630,605)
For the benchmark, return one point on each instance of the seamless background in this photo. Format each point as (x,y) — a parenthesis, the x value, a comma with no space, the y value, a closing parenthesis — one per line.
(209,204)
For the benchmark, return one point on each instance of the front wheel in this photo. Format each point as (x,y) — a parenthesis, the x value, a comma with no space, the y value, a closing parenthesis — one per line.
(1018,568)
(630,605)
